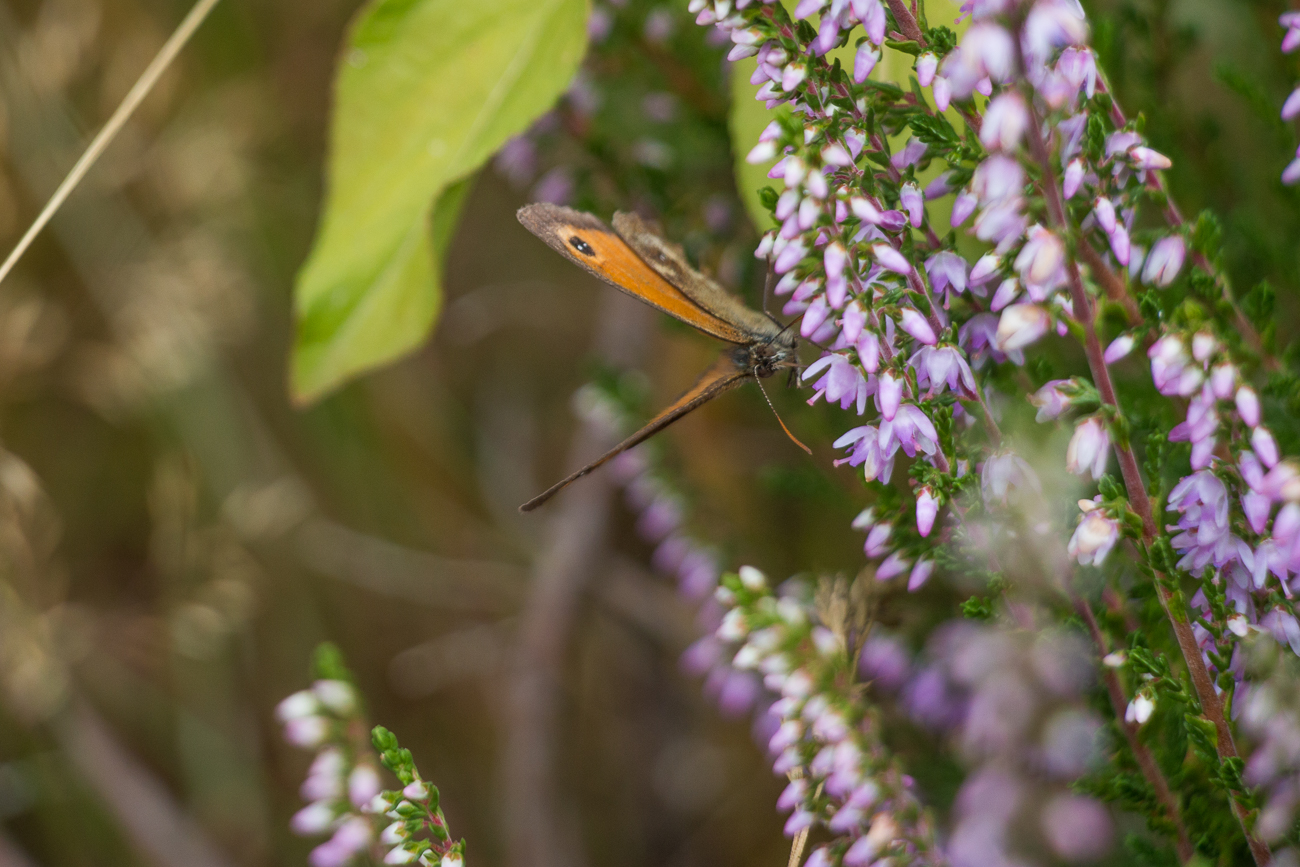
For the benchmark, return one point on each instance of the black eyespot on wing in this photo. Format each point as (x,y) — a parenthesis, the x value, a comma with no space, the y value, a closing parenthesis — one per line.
(581,246)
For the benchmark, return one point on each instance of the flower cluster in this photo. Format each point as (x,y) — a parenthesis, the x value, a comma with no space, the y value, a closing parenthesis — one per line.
(343,786)
(1291,108)
(1060,189)
(1271,714)
(827,740)
(1015,703)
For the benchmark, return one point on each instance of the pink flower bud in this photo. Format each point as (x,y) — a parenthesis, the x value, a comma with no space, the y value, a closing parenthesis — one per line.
(1120,245)
(891,259)
(962,207)
(835,259)
(926,65)
(942,93)
(865,61)
(1248,405)
(1119,347)
(920,574)
(761,153)
(1105,212)
(927,507)
(869,351)
(1007,292)
(889,395)
(1145,158)
(1261,440)
(836,155)
(1073,178)
(1223,379)
(852,322)
(914,324)
(893,565)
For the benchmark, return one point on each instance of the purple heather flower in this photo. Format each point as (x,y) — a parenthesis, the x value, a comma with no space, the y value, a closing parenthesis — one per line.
(1004,473)
(939,366)
(868,346)
(1093,538)
(986,51)
(910,429)
(1050,400)
(1005,120)
(1291,21)
(1089,448)
(942,93)
(947,272)
(988,265)
(1164,261)
(1171,367)
(843,382)
(1104,210)
(363,785)
(1261,440)
(1021,325)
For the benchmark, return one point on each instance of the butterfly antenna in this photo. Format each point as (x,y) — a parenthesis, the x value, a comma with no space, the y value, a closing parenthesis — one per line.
(794,439)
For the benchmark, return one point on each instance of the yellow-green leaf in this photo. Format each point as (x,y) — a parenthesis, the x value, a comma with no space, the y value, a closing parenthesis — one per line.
(426,91)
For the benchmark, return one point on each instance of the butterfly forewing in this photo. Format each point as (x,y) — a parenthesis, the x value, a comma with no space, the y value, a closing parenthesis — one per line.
(590,243)
(669,262)
(722,376)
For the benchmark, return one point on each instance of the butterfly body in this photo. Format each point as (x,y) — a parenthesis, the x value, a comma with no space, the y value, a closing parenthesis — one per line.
(634,258)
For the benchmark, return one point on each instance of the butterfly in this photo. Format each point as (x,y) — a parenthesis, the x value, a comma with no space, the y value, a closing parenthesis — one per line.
(634,258)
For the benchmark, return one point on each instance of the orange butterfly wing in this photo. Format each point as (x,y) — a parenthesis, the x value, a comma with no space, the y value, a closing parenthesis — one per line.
(588,242)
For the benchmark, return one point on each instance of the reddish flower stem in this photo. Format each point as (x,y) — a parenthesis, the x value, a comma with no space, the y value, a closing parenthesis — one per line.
(1202,682)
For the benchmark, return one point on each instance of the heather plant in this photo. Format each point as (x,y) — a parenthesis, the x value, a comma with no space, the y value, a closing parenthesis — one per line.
(1053,395)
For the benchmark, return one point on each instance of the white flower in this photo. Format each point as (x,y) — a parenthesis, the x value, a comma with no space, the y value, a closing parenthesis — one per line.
(1021,325)
(337,695)
(1089,448)
(1140,709)
(1093,538)
(752,578)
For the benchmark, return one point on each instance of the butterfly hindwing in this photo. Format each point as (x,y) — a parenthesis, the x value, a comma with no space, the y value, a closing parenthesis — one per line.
(724,375)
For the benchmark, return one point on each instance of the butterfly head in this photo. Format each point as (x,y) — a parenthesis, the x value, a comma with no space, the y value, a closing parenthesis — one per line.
(765,358)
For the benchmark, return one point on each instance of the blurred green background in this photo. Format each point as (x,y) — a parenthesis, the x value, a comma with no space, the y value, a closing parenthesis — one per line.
(175,538)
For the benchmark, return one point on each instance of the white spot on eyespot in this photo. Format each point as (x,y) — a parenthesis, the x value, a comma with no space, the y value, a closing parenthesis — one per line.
(357,58)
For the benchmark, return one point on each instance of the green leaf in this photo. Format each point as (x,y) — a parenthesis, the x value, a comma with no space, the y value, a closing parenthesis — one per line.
(426,92)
